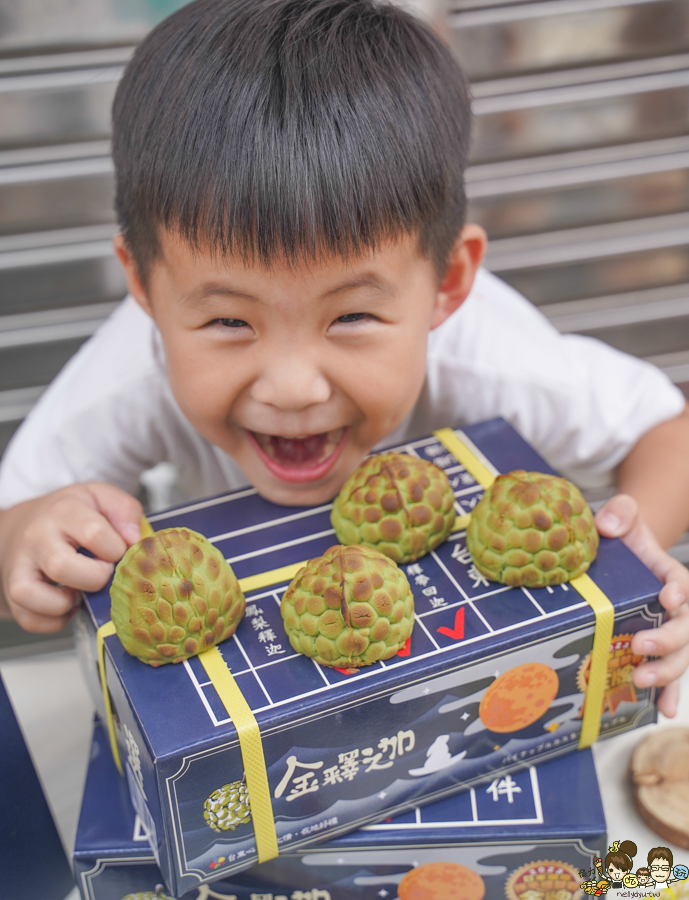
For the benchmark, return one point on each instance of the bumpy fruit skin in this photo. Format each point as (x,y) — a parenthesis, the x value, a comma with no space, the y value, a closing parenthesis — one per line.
(397,504)
(174,595)
(533,530)
(228,807)
(348,608)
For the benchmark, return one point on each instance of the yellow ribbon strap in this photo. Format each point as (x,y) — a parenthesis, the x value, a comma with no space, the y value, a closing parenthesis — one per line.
(252,751)
(103,632)
(265,579)
(598,668)
(589,590)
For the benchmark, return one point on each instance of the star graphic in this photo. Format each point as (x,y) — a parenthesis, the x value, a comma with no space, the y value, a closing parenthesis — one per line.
(382,795)
(496,673)
(382,893)
(427,690)
(464,716)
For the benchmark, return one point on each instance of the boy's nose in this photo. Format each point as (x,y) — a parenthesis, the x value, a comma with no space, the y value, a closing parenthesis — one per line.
(291,382)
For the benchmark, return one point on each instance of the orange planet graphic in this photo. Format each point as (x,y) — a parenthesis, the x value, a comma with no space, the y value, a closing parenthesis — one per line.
(441,881)
(519,697)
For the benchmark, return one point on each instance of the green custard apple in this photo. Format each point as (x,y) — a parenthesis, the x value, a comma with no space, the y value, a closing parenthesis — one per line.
(174,595)
(396,503)
(147,895)
(533,530)
(348,608)
(228,807)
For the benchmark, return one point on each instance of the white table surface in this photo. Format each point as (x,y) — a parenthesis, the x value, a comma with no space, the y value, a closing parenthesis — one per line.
(56,714)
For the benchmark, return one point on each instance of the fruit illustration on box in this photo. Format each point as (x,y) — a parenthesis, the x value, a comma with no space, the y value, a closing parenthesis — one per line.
(441,881)
(396,503)
(228,807)
(532,529)
(348,608)
(147,895)
(547,879)
(174,595)
(518,697)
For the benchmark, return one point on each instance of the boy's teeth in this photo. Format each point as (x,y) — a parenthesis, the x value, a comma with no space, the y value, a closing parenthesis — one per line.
(302,451)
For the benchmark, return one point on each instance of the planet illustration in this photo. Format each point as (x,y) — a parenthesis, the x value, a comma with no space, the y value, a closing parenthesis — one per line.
(518,697)
(441,881)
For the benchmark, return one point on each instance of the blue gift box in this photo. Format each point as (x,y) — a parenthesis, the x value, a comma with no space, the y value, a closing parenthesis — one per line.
(537,827)
(344,750)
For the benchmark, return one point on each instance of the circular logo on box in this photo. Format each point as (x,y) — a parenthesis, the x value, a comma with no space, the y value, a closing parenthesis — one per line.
(546,879)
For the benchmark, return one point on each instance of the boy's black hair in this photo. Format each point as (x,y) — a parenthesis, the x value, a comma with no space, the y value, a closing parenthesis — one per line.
(291,129)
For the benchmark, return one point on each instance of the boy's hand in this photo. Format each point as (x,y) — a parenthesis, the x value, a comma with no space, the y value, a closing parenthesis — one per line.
(41,573)
(620,517)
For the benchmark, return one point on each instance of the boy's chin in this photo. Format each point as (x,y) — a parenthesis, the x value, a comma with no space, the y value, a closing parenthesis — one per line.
(300,493)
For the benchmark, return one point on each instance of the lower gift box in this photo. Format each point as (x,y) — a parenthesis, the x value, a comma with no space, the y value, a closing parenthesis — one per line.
(524,836)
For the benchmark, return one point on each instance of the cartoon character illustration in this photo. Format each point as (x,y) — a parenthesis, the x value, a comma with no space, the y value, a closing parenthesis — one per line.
(643,876)
(660,865)
(618,863)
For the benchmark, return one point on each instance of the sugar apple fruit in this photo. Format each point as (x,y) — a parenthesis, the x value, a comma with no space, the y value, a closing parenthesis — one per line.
(532,529)
(228,807)
(348,608)
(147,895)
(173,595)
(398,504)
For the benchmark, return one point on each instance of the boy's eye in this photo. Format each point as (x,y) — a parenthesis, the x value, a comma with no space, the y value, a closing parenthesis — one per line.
(352,317)
(230,323)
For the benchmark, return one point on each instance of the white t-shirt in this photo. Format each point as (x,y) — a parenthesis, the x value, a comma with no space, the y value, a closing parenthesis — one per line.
(110,413)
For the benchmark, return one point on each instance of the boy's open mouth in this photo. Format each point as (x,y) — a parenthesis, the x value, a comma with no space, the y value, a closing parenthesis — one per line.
(299,457)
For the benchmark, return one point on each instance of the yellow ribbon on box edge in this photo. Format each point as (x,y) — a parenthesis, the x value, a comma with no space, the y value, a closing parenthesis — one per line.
(251,746)
(603,609)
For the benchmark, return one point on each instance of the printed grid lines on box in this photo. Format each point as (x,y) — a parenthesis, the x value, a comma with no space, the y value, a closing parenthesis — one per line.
(454,602)
(514,800)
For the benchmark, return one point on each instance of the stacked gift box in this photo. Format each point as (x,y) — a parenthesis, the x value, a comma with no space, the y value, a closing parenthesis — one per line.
(528,834)
(343,750)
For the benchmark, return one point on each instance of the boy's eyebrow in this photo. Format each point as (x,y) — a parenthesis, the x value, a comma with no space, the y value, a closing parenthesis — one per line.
(364,281)
(210,289)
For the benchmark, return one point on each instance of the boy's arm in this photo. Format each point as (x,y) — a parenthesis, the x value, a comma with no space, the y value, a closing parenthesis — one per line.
(41,572)
(649,514)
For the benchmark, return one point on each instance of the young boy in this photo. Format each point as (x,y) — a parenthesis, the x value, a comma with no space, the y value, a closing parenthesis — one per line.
(303,288)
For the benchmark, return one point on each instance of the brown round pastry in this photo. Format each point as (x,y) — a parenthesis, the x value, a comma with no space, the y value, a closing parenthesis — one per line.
(660,777)
(518,697)
(441,881)
(397,504)
(174,595)
(348,608)
(533,530)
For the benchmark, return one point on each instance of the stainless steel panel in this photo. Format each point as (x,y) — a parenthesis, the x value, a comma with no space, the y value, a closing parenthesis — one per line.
(53,23)
(55,285)
(614,310)
(589,278)
(31,366)
(518,37)
(526,119)
(647,338)
(600,200)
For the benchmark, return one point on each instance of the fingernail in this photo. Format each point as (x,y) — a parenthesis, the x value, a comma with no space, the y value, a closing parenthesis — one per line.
(650,648)
(131,533)
(610,521)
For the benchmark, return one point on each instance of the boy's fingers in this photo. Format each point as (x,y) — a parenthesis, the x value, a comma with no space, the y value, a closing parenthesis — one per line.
(123,511)
(618,516)
(669,638)
(88,528)
(676,590)
(29,594)
(38,624)
(669,699)
(64,566)
(662,671)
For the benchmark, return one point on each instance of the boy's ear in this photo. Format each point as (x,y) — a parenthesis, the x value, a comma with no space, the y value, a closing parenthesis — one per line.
(465,259)
(134,284)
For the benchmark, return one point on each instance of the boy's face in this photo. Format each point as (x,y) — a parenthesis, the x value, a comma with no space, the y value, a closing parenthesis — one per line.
(298,371)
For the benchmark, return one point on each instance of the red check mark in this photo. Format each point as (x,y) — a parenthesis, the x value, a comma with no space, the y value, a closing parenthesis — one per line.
(406,650)
(456,633)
